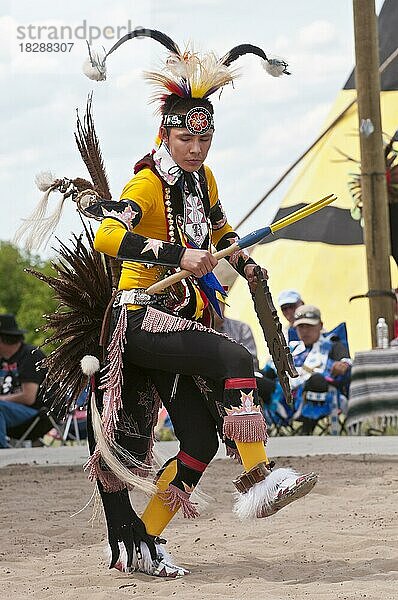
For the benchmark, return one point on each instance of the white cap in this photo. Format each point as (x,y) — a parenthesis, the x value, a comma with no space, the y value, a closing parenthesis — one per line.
(288,297)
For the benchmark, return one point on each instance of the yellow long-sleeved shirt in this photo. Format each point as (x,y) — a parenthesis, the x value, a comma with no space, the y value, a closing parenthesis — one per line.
(145,189)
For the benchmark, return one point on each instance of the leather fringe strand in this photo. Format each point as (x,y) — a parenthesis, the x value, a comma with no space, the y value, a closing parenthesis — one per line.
(113,380)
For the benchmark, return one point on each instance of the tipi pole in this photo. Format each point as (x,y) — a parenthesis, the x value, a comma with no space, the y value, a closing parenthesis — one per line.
(374,188)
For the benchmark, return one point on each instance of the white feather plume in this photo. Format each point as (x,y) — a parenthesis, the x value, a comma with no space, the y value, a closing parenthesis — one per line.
(261,495)
(44,180)
(37,227)
(94,66)
(274,66)
(90,364)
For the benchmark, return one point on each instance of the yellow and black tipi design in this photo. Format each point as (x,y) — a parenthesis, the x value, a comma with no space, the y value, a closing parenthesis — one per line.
(323,256)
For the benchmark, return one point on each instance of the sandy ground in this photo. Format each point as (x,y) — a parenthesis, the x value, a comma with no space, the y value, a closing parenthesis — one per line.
(340,542)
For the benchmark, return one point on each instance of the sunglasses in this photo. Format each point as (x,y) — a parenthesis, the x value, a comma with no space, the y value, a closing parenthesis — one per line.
(306,315)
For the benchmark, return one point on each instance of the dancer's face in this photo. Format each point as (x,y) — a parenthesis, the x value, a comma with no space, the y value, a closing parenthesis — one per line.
(189,151)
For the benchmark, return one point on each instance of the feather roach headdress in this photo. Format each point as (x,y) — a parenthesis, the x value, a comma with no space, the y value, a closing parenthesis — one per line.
(186,74)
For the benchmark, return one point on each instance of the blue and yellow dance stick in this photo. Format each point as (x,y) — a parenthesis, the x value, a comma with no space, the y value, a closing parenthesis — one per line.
(249,240)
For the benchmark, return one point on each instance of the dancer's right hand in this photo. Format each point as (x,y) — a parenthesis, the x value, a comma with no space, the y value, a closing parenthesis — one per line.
(199,262)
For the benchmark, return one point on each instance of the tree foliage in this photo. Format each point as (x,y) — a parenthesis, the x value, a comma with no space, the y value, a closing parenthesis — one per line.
(23,294)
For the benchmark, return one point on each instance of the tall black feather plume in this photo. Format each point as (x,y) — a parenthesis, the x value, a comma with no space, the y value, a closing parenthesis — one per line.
(83,290)
(243,49)
(240,50)
(89,148)
(158,36)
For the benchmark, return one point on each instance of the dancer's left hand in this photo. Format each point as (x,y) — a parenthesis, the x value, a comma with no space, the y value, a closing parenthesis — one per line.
(251,277)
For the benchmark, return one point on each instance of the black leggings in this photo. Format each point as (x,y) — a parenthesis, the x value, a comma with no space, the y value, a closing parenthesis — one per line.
(188,353)
(159,356)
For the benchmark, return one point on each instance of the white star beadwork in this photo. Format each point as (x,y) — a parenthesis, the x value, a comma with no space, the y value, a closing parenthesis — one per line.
(247,406)
(154,245)
(127,215)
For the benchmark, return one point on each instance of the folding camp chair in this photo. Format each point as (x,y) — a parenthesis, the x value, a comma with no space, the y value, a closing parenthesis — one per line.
(33,429)
(283,419)
(74,426)
(327,407)
(278,414)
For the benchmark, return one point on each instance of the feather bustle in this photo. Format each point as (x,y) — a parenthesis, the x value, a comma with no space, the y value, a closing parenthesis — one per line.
(83,290)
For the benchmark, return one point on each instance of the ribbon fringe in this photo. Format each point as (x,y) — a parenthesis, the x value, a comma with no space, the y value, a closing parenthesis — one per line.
(157,321)
(109,480)
(245,428)
(174,498)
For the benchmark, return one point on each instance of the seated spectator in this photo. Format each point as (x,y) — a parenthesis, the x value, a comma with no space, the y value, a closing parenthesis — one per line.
(19,378)
(323,365)
(320,363)
(289,301)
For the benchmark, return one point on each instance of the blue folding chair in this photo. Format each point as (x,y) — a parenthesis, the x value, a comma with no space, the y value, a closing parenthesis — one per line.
(327,408)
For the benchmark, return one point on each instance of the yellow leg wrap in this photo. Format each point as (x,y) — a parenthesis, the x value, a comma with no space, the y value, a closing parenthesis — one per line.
(251,453)
(156,514)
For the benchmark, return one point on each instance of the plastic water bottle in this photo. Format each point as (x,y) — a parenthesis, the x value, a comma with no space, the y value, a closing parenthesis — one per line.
(382,333)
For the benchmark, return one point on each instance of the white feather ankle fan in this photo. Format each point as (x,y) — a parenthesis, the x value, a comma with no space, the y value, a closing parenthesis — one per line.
(262,494)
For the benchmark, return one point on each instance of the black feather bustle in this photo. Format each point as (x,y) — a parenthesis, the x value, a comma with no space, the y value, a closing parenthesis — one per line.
(83,290)
(158,36)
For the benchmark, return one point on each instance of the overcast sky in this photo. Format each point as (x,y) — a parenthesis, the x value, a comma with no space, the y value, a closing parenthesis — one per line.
(261,125)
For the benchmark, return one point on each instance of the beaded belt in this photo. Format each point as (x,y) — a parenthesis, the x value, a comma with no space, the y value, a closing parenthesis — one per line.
(136,296)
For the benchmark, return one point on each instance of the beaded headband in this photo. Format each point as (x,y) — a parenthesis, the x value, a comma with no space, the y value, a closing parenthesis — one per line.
(198,120)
